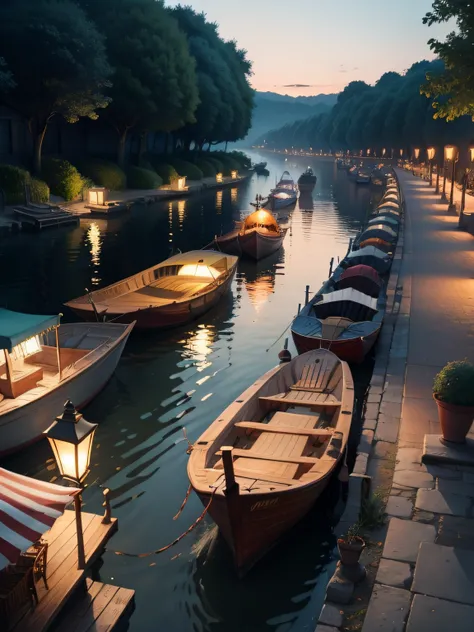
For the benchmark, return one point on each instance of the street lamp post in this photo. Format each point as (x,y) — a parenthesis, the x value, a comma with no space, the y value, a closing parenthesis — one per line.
(451,154)
(431,154)
(464,183)
(70,437)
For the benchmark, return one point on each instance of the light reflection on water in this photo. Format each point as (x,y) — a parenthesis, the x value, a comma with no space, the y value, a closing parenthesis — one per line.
(185,378)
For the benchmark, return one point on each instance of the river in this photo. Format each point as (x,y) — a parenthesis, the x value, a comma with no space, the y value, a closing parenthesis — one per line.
(185,378)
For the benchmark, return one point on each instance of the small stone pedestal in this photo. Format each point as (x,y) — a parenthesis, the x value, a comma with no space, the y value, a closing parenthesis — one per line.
(436,450)
(342,584)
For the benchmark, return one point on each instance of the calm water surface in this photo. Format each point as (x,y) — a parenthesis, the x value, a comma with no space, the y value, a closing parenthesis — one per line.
(185,378)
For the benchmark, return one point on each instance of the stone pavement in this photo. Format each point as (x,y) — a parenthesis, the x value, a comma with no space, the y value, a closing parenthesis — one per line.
(425,581)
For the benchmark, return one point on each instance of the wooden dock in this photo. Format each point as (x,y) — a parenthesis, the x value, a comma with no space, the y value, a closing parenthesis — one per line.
(40,219)
(65,580)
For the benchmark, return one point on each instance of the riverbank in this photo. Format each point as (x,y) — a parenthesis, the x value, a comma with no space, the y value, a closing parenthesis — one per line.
(425,577)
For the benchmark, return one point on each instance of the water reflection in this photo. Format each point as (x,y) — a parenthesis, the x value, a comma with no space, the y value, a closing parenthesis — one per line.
(186,378)
(95,242)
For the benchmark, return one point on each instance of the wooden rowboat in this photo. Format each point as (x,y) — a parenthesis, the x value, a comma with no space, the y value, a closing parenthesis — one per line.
(43,364)
(170,294)
(265,460)
(257,237)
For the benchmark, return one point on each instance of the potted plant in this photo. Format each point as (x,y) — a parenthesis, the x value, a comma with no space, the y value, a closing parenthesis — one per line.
(351,546)
(453,391)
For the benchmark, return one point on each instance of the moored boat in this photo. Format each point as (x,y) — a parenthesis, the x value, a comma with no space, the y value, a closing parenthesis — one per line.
(369,256)
(284,194)
(307,181)
(346,321)
(169,294)
(263,463)
(45,364)
(260,167)
(261,235)
(362,177)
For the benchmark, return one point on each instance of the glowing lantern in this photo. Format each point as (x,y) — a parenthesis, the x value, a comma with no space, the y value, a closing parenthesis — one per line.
(70,437)
(219,178)
(450,152)
(234,175)
(98,196)
(416,152)
(431,151)
(384,151)
(471,152)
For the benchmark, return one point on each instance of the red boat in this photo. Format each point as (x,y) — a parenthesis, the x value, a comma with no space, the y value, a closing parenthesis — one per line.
(362,278)
(340,321)
(170,294)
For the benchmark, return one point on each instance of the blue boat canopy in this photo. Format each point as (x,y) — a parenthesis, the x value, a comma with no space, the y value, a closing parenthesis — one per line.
(16,327)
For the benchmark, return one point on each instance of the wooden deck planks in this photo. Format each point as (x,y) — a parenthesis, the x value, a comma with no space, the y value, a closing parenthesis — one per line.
(98,608)
(63,575)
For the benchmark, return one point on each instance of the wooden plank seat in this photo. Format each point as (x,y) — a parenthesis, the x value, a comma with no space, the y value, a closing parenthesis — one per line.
(302,398)
(305,432)
(315,376)
(252,454)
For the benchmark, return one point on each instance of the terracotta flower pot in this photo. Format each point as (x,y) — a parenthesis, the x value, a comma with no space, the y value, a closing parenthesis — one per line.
(455,420)
(350,552)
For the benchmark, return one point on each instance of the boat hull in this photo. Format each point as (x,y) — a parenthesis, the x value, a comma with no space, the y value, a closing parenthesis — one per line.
(275,204)
(257,246)
(253,524)
(228,244)
(169,315)
(25,425)
(353,350)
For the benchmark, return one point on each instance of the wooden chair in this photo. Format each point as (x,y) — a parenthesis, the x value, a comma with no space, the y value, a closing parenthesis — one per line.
(16,595)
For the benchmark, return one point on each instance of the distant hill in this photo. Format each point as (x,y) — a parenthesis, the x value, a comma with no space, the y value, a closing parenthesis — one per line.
(275,110)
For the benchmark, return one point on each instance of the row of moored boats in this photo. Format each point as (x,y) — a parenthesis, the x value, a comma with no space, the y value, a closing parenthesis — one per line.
(264,461)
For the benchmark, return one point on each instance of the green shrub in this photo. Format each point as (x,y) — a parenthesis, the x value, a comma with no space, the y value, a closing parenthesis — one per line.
(104,173)
(166,172)
(207,168)
(185,168)
(454,383)
(12,181)
(62,177)
(39,191)
(139,178)
(243,160)
(228,163)
(216,162)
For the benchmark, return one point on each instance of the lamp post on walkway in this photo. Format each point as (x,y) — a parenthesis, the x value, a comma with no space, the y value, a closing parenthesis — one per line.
(70,437)
(464,184)
(451,154)
(431,151)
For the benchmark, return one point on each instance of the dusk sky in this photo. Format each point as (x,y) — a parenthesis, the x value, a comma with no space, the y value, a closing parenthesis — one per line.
(323,44)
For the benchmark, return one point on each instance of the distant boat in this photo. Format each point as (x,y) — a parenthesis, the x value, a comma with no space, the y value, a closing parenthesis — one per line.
(307,181)
(44,365)
(284,194)
(257,237)
(260,167)
(169,294)
(263,463)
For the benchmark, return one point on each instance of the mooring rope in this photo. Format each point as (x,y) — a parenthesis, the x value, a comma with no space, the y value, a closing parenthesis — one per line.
(176,540)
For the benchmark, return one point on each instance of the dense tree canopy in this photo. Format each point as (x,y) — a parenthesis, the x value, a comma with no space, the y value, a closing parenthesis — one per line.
(226,98)
(392,114)
(452,89)
(57,60)
(137,64)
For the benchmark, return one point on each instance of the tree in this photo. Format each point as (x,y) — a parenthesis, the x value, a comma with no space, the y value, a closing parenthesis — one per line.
(226,98)
(452,89)
(154,86)
(58,62)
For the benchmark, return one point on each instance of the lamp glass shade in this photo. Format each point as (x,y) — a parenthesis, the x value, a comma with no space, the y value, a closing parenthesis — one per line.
(431,151)
(234,175)
(98,196)
(416,151)
(71,437)
(450,152)
(181,183)
(471,153)
(219,177)
(401,152)
(384,151)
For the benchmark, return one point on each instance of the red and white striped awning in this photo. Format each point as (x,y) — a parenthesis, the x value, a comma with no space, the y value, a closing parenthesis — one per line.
(28,508)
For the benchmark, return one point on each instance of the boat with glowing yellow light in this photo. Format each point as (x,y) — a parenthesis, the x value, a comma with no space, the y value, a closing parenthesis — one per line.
(169,294)
(256,237)
(43,363)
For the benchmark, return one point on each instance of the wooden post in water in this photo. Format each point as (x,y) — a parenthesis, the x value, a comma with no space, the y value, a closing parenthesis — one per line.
(306,296)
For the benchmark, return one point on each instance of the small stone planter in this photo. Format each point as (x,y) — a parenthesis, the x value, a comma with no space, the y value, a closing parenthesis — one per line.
(350,551)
